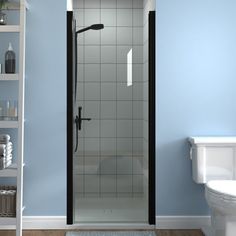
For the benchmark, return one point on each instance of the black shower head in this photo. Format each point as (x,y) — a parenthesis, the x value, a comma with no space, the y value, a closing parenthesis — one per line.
(97,26)
(91,27)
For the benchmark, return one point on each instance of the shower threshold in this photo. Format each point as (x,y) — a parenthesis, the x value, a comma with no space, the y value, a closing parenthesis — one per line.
(110,211)
(111,226)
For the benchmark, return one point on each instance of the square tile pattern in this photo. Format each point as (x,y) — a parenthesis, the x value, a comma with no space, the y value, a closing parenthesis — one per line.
(111,151)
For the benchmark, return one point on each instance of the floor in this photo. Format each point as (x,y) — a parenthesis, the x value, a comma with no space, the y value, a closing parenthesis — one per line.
(62,233)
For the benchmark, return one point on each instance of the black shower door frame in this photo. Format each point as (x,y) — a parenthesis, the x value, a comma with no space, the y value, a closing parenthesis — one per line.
(151,115)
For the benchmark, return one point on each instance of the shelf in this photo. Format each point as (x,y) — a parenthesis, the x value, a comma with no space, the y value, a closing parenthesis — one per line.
(9,77)
(14,6)
(8,124)
(7,220)
(10,171)
(9,28)
(16,31)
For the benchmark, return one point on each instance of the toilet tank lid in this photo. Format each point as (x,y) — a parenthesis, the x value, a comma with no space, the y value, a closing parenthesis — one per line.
(212,140)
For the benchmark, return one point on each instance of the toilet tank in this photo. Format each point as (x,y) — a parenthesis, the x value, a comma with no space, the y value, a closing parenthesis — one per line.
(213,158)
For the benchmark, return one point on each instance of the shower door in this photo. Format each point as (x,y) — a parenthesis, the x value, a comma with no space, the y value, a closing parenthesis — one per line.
(111,164)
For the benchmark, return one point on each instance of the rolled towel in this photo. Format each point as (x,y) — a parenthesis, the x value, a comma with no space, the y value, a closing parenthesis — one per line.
(2,148)
(8,148)
(6,143)
(9,144)
(4,138)
(5,158)
(5,153)
(8,156)
(8,152)
(4,165)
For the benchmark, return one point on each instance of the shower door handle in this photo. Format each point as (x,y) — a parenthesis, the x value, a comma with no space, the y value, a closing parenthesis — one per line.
(78,123)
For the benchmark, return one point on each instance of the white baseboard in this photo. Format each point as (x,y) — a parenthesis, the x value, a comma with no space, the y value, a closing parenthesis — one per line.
(59,223)
(184,222)
(162,222)
(44,222)
(40,222)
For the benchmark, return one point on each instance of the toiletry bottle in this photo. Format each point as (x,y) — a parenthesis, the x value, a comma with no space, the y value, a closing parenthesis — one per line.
(1,110)
(13,110)
(10,60)
(7,110)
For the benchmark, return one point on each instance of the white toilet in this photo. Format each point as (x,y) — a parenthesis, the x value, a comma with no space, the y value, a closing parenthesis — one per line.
(214,164)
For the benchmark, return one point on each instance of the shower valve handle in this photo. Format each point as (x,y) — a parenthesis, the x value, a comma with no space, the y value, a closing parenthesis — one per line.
(78,123)
(79,119)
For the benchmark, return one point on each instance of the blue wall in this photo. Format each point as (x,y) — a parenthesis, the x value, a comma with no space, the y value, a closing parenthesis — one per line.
(196,95)
(196,92)
(45,127)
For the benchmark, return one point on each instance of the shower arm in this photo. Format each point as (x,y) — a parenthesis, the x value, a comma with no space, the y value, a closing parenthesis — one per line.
(83,30)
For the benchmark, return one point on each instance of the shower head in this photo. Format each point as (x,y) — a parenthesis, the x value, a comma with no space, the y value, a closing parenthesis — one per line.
(97,26)
(91,27)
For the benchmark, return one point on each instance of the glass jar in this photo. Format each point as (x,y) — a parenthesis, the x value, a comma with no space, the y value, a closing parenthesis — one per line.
(9,110)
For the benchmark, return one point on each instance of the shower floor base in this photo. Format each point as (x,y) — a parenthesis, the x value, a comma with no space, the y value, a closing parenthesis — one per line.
(114,210)
(112,233)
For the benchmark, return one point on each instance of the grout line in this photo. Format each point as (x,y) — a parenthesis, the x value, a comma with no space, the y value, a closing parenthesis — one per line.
(109,82)
(118,137)
(111,45)
(83,106)
(100,104)
(109,137)
(111,63)
(132,128)
(113,174)
(114,100)
(111,26)
(97,137)
(116,150)
(122,119)
(109,8)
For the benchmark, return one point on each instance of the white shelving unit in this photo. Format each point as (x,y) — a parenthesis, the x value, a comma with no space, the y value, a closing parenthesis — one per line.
(11,171)
(10,77)
(7,221)
(10,28)
(9,124)
(16,169)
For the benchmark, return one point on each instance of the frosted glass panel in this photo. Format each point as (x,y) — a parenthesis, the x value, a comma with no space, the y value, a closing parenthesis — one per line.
(111,165)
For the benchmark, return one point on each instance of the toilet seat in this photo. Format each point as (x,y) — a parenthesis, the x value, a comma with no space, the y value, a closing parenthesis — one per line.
(222,189)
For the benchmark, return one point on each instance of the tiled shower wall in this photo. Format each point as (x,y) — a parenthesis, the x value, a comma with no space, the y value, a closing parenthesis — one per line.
(110,157)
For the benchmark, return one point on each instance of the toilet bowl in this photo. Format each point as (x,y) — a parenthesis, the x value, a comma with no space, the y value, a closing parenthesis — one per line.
(214,164)
(221,198)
